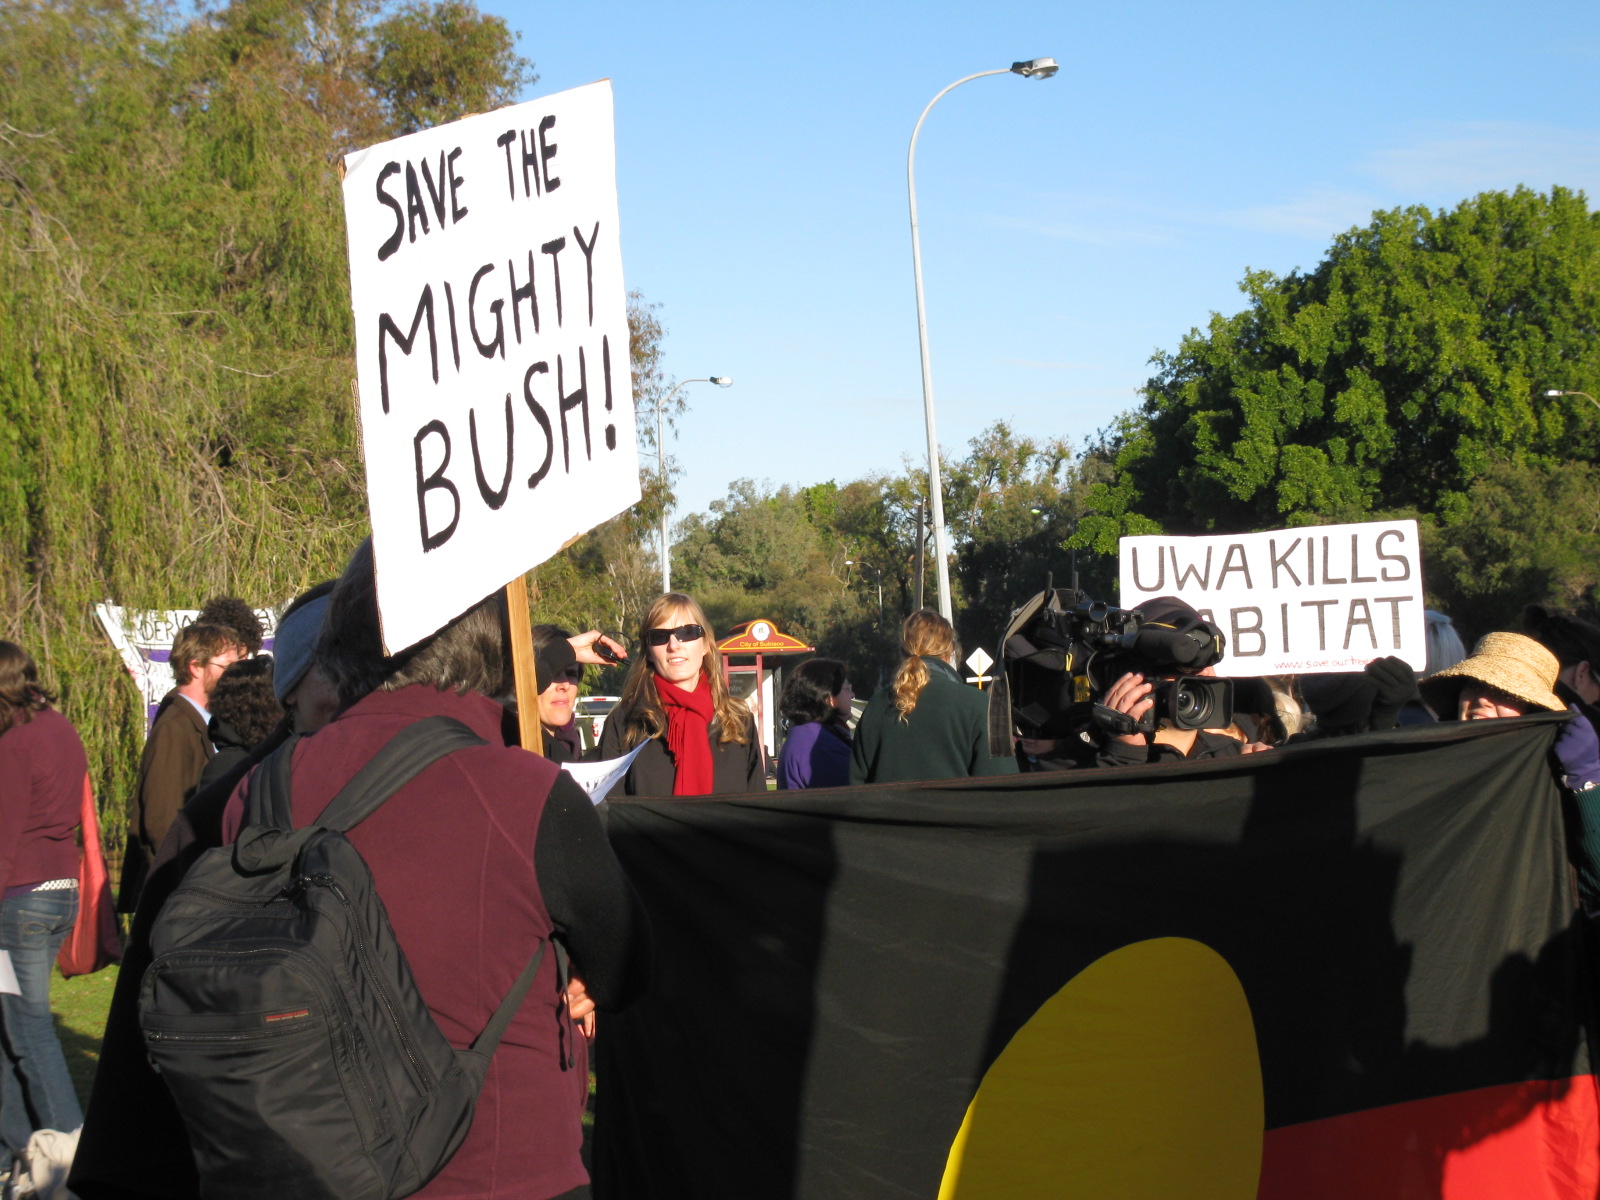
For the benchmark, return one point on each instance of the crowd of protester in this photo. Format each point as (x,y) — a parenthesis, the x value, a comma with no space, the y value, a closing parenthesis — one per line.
(517,855)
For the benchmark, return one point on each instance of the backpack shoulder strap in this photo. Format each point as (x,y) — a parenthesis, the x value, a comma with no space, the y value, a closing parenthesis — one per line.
(269,788)
(475,1059)
(407,755)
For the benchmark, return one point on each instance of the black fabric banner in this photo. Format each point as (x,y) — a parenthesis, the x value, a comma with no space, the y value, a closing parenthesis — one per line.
(838,971)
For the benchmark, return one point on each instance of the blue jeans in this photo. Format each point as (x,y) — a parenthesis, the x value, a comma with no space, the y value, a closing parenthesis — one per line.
(35,1090)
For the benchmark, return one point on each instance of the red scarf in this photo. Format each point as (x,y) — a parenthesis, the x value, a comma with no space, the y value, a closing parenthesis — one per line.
(688,735)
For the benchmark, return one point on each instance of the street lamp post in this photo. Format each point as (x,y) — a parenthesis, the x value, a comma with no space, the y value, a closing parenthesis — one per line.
(1037,68)
(661,467)
(1077,519)
(857,562)
(1554,392)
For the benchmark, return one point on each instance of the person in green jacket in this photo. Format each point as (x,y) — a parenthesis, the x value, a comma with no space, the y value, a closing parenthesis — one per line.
(927,724)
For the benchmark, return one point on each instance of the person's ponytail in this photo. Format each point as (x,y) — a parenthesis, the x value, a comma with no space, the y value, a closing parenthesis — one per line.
(924,634)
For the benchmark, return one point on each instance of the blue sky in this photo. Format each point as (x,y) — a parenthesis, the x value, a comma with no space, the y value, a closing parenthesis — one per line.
(1070,227)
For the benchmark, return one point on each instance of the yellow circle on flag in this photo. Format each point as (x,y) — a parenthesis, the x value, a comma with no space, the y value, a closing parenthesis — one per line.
(1138,1080)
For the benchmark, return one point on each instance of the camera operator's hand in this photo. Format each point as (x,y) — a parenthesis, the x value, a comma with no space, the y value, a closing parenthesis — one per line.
(1130,696)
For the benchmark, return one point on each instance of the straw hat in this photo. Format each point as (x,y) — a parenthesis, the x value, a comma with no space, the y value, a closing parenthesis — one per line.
(1516,665)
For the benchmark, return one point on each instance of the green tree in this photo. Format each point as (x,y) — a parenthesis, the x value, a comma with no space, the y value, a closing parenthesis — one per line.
(1389,377)
(1528,533)
(753,547)
(835,563)
(782,555)
(434,63)
(1011,504)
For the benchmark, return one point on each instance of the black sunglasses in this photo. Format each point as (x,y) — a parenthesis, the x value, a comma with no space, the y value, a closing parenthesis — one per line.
(684,633)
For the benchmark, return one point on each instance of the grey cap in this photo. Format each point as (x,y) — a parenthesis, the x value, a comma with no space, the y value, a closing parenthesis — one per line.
(294,645)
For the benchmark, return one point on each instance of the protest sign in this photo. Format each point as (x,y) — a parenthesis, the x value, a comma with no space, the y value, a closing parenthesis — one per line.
(491,349)
(1323,598)
(144,640)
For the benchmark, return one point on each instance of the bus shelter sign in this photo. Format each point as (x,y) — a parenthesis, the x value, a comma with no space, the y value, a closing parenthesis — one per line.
(491,349)
(1322,598)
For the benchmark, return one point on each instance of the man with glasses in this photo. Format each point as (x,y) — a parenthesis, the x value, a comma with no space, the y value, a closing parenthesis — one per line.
(178,748)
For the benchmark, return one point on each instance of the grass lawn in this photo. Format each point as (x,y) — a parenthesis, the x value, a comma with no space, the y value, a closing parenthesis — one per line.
(80,1006)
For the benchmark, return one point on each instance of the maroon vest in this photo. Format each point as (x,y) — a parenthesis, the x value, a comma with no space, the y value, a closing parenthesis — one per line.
(452,856)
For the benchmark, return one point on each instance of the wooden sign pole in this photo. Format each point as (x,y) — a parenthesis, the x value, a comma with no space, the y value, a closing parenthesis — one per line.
(522,665)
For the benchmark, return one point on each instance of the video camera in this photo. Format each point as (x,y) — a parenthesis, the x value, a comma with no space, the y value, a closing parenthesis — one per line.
(1062,651)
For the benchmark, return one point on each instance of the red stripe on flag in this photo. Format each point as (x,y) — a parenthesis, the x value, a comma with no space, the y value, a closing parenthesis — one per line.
(1524,1141)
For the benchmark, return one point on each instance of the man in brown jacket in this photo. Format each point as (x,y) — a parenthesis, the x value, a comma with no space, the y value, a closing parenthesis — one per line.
(177,749)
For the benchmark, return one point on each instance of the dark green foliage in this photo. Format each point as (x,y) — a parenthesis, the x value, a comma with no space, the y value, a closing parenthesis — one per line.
(1388,377)
(1011,505)
(1528,532)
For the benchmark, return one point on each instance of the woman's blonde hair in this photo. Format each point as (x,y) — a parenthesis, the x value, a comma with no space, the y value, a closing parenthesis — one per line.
(640,708)
(925,632)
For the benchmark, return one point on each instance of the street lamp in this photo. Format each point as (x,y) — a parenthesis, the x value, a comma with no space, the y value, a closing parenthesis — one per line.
(661,467)
(1039,512)
(858,562)
(1035,68)
(1553,392)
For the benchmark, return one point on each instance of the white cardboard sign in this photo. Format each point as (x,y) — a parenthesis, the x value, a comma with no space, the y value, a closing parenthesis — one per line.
(1324,598)
(491,349)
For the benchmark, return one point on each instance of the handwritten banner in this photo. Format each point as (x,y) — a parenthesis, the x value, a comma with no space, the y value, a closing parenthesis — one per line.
(491,349)
(1325,598)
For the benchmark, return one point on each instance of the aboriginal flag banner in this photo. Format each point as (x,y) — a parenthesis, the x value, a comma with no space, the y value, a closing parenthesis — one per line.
(1353,969)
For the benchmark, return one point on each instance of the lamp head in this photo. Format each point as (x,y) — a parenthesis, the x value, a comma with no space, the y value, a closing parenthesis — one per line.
(1554,392)
(1036,68)
(722,380)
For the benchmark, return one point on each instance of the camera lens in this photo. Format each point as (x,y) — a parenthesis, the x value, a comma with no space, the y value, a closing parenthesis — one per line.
(1193,705)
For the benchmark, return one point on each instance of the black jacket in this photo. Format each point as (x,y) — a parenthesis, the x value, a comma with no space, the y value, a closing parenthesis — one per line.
(231,751)
(735,768)
(1207,744)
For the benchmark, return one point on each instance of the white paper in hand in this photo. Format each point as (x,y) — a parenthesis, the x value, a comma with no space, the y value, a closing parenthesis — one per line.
(8,975)
(598,778)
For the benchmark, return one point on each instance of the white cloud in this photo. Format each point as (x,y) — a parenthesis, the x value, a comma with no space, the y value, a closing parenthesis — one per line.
(1436,163)
(1318,214)
(1461,158)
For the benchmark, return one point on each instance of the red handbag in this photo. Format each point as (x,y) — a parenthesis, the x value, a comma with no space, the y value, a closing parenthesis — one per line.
(93,942)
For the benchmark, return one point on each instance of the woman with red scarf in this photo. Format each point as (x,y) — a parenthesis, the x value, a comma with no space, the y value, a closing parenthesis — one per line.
(699,740)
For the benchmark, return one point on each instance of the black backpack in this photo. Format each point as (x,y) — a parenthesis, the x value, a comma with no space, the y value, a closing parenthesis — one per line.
(282,1014)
